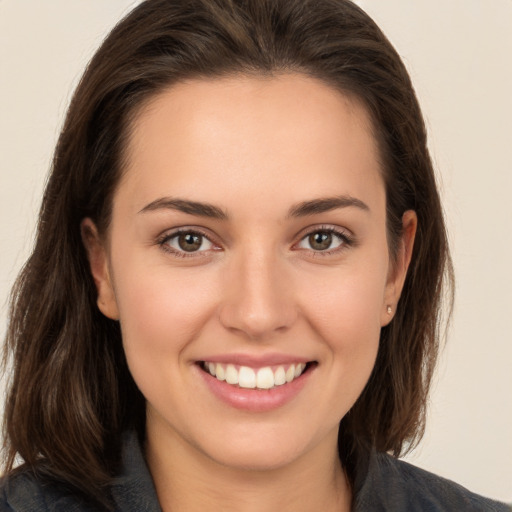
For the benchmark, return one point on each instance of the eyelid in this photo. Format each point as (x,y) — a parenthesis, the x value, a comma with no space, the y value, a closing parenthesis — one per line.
(163,239)
(344,234)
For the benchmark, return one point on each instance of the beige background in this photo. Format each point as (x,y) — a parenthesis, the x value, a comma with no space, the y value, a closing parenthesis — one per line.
(459,54)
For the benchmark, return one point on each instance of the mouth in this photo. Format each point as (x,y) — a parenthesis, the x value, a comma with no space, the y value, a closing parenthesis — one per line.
(262,378)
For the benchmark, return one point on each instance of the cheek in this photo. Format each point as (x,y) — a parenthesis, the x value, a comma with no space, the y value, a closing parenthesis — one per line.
(347,309)
(162,312)
(161,309)
(344,310)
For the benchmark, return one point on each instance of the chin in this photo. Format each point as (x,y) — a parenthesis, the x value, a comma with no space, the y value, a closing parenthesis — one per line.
(266,450)
(253,459)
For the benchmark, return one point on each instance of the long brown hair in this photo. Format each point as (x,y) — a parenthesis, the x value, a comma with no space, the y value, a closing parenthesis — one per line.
(71,395)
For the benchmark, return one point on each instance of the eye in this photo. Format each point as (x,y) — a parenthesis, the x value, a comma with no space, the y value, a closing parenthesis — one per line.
(324,240)
(185,243)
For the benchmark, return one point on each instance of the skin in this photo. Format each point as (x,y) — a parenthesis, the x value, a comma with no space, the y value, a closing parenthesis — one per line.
(255,148)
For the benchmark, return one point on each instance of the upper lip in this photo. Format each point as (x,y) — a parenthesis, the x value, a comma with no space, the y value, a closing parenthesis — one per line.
(256,361)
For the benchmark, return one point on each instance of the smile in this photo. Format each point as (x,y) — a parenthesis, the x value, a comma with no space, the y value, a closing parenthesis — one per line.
(267,377)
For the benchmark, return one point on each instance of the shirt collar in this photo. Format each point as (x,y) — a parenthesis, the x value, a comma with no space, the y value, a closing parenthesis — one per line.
(133,490)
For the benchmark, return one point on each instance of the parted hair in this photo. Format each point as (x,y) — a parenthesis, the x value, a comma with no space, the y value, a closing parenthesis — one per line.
(70,394)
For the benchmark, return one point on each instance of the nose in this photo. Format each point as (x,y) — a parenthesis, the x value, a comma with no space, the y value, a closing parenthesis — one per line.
(258,300)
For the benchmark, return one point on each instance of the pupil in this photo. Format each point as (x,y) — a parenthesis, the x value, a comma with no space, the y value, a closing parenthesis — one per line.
(320,241)
(189,242)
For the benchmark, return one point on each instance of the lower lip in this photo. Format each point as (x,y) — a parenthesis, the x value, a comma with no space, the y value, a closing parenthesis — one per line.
(255,400)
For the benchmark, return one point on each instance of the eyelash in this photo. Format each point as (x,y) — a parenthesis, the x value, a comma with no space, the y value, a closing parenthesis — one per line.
(346,241)
(164,240)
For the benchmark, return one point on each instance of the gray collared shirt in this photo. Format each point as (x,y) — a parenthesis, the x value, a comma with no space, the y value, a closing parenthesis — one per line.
(383,484)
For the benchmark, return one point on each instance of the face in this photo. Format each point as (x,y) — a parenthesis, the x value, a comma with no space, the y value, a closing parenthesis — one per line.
(248,265)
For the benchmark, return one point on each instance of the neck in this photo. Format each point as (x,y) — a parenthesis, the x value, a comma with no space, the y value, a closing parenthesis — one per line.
(189,481)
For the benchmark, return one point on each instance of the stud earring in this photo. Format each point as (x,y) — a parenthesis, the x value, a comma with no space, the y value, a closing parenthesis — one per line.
(389,310)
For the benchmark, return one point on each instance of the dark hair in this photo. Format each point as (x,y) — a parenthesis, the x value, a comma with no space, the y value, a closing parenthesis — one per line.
(71,394)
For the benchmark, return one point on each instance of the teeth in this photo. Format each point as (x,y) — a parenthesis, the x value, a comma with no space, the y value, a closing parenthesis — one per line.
(246,377)
(299,368)
(231,374)
(262,378)
(280,377)
(220,373)
(265,378)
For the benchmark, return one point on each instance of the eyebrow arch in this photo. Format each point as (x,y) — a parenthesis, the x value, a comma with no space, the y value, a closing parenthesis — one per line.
(186,206)
(302,209)
(326,204)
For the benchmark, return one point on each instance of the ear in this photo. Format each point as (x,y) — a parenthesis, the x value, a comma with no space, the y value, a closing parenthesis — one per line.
(398,273)
(98,262)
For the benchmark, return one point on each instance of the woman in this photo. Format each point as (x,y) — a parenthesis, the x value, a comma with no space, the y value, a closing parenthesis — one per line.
(233,298)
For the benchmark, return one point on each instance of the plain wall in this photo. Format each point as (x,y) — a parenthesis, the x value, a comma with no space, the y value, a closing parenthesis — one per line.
(459,55)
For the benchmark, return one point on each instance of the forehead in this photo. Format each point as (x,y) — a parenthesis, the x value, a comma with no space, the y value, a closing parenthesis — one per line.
(251,135)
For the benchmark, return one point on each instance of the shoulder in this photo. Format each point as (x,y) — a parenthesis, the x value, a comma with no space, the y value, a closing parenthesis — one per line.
(394,485)
(24,492)
(132,490)
(21,492)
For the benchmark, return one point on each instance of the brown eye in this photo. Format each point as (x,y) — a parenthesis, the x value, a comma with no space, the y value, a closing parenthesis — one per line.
(324,240)
(320,241)
(190,242)
(187,242)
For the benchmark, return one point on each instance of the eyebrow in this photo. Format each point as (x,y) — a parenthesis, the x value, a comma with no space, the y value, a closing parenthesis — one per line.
(326,204)
(303,209)
(186,206)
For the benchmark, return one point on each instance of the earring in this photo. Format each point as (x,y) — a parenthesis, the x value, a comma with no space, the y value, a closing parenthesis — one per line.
(389,310)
